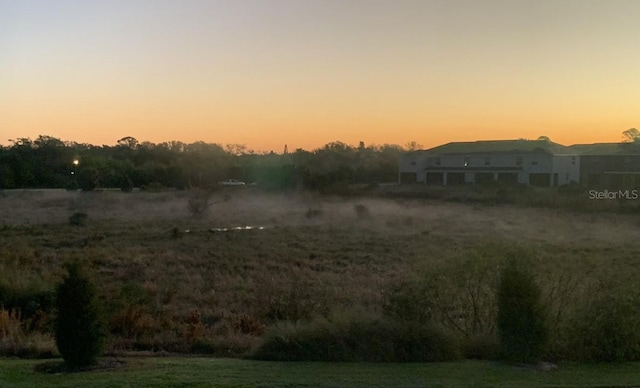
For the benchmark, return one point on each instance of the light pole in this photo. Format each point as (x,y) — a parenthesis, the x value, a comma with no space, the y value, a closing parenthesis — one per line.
(73,183)
(75,165)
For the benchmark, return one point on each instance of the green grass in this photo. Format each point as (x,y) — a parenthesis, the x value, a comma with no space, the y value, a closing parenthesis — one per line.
(212,372)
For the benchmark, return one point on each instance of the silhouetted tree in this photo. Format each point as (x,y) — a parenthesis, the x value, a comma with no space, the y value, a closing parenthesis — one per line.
(48,162)
(79,330)
(521,325)
(412,146)
(631,135)
(128,142)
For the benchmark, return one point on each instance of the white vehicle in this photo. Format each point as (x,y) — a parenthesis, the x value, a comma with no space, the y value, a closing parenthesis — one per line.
(232,182)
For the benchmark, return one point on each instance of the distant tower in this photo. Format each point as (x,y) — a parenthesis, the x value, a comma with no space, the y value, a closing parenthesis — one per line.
(286,150)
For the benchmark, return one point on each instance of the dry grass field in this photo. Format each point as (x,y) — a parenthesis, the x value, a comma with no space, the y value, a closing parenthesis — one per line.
(170,279)
(246,207)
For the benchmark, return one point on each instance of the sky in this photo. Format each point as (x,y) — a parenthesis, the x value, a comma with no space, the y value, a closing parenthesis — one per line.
(266,73)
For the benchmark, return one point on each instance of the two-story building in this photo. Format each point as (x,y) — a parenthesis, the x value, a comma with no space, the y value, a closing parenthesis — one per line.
(609,165)
(528,162)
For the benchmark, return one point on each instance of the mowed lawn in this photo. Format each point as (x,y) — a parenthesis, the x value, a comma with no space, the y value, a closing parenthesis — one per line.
(215,372)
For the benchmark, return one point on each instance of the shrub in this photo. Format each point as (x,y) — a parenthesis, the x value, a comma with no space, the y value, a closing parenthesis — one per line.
(408,301)
(198,203)
(481,347)
(607,330)
(32,301)
(126,186)
(291,300)
(458,294)
(176,233)
(521,325)
(247,324)
(356,337)
(362,212)
(88,178)
(78,219)
(425,343)
(79,329)
(313,213)
(131,322)
(462,293)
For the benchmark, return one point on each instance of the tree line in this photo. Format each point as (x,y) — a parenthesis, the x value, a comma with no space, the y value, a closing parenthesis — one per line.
(48,162)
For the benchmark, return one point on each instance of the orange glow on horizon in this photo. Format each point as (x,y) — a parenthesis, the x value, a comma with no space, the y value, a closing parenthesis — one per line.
(305,74)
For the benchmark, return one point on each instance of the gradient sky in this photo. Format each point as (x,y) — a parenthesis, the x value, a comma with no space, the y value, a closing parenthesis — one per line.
(307,72)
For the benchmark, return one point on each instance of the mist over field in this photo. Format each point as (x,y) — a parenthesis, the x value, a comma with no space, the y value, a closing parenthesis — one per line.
(259,208)
(249,272)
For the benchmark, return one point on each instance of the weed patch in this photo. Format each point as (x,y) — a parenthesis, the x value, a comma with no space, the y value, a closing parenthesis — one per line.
(78,219)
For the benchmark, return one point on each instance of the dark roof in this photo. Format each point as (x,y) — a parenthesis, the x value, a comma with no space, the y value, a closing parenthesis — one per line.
(606,148)
(500,147)
(514,147)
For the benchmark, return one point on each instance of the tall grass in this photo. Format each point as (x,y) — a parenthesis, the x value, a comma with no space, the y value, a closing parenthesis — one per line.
(426,264)
(17,340)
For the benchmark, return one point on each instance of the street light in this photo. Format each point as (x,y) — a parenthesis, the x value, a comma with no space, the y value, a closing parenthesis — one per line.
(75,165)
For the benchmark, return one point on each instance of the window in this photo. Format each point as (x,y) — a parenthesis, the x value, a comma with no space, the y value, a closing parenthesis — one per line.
(437,161)
(413,163)
(466,162)
(534,162)
(573,160)
(487,161)
(518,160)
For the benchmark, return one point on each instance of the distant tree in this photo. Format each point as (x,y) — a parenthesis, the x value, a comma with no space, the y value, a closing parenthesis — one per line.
(543,138)
(52,160)
(631,135)
(48,162)
(6,176)
(129,142)
(88,178)
(236,149)
(47,141)
(413,146)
